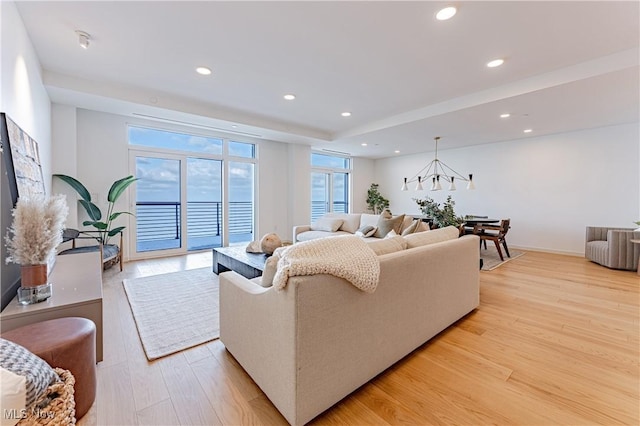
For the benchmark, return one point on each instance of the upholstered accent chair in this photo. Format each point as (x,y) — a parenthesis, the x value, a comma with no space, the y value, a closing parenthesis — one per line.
(110,254)
(612,247)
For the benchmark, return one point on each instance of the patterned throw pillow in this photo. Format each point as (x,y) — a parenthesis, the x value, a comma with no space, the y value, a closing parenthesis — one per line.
(19,360)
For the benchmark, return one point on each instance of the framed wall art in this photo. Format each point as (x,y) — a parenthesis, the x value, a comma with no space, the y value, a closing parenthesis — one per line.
(22,160)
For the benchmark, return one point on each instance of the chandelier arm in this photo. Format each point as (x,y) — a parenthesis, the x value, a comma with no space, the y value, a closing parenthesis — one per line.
(425,169)
(454,172)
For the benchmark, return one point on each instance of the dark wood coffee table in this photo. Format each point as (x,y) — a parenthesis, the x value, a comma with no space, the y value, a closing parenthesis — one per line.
(235,258)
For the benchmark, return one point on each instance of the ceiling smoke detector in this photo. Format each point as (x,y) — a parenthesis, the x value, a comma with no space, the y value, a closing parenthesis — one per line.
(83,39)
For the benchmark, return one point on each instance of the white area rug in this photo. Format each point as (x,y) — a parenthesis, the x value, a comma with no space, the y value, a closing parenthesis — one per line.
(174,311)
(491,259)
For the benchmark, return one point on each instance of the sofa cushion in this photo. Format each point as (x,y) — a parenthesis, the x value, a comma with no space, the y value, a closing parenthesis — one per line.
(419,239)
(422,226)
(312,235)
(369,219)
(387,245)
(350,221)
(14,395)
(326,224)
(406,222)
(385,225)
(270,268)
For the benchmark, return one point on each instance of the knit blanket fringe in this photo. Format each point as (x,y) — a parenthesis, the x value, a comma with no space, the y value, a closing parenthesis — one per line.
(346,257)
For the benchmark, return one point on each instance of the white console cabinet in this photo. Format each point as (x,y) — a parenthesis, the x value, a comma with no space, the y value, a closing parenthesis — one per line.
(76,292)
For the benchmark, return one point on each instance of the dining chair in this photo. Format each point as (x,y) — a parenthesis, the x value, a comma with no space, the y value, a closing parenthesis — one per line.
(495,233)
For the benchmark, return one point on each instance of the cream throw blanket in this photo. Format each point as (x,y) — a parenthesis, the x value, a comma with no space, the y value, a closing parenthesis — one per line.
(345,257)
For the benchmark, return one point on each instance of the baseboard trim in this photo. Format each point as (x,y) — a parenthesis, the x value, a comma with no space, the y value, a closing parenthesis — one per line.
(543,250)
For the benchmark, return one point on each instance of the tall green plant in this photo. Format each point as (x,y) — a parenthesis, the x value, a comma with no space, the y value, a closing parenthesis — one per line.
(375,201)
(95,214)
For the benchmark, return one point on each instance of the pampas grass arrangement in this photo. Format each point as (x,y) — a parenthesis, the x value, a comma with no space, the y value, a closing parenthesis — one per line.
(36,230)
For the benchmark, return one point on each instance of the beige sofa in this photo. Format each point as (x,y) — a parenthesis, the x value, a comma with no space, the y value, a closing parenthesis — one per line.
(345,224)
(311,344)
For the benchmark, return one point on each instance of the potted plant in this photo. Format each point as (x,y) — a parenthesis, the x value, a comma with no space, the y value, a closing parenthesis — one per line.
(31,242)
(441,216)
(104,229)
(375,201)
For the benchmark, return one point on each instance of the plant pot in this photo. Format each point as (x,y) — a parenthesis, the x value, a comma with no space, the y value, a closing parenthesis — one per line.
(33,275)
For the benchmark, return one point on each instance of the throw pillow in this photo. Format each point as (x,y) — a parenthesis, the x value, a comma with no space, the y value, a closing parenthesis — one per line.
(422,226)
(369,219)
(366,231)
(411,228)
(391,234)
(14,396)
(39,375)
(270,268)
(385,225)
(326,224)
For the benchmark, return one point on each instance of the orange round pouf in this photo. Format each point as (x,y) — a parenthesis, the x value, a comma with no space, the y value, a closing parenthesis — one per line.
(67,343)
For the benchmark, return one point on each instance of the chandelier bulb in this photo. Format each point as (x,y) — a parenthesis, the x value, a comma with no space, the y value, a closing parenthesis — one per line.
(419,185)
(452,186)
(404,185)
(438,187)
(471,185)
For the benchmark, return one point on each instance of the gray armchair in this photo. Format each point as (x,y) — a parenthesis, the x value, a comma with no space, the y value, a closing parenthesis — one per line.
(612,247)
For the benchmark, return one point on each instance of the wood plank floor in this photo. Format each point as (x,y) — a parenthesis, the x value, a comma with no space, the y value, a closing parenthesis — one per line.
(554,341)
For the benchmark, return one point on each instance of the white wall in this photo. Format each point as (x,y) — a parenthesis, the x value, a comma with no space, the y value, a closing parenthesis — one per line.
(361,179)
(22,94)
(64,159)
(24,99)
(551,187)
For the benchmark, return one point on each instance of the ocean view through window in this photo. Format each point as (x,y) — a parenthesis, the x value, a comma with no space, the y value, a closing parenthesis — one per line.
(180,197)
(330,182)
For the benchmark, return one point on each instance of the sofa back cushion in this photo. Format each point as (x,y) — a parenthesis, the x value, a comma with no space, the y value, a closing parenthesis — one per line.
(387,245)
(367,219)
(437,235)
(327,224)
(350,221)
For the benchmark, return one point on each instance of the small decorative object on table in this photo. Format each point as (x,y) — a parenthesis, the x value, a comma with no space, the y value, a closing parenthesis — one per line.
(31,241)
(269,243)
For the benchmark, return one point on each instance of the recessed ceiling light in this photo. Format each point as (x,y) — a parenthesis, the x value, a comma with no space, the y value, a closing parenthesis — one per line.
(495,63)
(446,13)
(363,144)
(396,151)
(203,70)
(233,126)
(528,130)
(507,115)
(289,97)
(346,114)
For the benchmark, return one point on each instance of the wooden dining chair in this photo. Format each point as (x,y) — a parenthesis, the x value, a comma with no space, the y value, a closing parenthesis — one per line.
(495,233)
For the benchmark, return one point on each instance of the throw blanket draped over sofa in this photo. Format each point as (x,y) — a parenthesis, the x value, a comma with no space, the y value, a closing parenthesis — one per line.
(346,257)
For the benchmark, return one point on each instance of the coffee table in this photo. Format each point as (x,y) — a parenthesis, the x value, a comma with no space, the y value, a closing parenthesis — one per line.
(235,258)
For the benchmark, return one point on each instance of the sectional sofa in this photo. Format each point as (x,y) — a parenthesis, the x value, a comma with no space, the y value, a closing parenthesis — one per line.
(320,338)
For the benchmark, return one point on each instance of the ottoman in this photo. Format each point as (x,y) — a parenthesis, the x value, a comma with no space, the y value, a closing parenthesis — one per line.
(68,343)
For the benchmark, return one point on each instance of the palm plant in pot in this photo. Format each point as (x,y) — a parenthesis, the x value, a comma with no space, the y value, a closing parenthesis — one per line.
(103,225)
(31,242)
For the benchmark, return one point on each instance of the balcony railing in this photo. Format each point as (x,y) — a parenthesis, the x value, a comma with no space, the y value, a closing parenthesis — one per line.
(319,208)
(159,225)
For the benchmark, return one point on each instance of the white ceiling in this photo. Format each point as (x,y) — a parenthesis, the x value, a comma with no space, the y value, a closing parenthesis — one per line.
(405,76)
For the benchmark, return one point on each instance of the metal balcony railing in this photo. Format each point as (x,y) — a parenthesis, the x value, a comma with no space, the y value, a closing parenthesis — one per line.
(159,221)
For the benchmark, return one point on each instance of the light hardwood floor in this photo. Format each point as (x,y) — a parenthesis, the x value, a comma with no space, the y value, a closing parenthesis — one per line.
(554,341)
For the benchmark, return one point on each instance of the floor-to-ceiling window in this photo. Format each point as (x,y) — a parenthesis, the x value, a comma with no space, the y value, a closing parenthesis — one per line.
(194,192)
(329,184)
